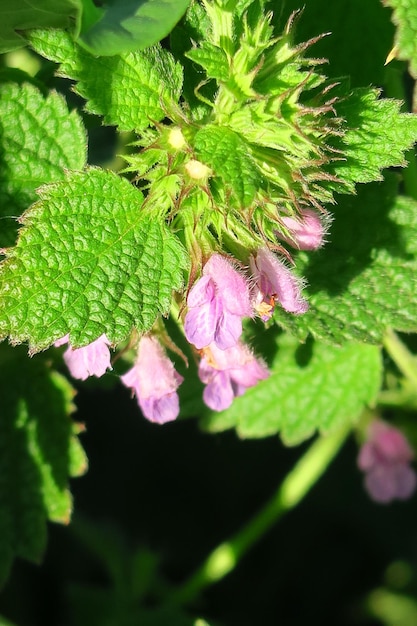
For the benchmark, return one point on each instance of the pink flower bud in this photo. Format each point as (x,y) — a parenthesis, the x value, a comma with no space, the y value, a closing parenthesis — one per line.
(306,231)
(216,305)
(228,373)
(274,282)
(154,381)
(385,459)
(91,360)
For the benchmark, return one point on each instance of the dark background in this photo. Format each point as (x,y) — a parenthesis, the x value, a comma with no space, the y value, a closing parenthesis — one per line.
(179,492)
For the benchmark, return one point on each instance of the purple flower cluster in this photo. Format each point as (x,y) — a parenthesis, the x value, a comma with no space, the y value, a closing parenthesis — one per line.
(217,303)
(385,459)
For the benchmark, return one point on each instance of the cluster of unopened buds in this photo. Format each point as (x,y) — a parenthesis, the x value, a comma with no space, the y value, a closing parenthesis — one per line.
(217,303)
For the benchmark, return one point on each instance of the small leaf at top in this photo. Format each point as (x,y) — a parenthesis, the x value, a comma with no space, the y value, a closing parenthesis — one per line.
(129,25)
(17,17)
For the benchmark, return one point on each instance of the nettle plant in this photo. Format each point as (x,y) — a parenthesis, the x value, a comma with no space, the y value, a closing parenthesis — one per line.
(221,272)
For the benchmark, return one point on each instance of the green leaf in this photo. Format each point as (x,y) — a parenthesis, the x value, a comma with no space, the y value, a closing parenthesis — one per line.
(21,15)
(36,448)
(88,261)
(213,59)
(132,90)
(363,280)
(128,25)
(226,153)
(39,139)
(312,387)
(405,19)
(367,150)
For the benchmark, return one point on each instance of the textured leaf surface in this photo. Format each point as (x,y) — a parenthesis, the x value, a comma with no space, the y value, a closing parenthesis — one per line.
(364,279)
(25,14)
(130,91)
(367,148)
(313,387)
(213,59)
(88,261)
(128,25)
(39,138)
(227,154)
(38,454)
(405,19)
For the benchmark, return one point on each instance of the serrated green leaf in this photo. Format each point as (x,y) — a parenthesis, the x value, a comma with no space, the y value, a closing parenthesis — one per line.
(213,59)
(405,19)
(364,280)
(128,25)
(312,387)
(36,440)
(16,17)
(226,153)
(366,147)
(131,90)
(88,261)
(39,139)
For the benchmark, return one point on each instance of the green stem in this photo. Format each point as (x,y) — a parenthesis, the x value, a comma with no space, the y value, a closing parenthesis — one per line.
(402,357)
(295,486)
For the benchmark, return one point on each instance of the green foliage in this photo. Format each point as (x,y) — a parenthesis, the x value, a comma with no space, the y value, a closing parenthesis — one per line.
(227,154)
(129,25)
(312,387)
(19,16)
(256,133)
(38,453)
(39,140)
(405,18)
(130,90)
(89,260)
(367,150)
(363,280)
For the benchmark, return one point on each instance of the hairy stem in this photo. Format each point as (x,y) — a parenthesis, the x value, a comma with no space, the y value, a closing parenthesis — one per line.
(224,558)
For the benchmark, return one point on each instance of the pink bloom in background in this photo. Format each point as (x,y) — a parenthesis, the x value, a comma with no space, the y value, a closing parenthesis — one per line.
(154,382)
(307,230)
(216,305)
(228,373)
(91,360)
(385,459)
(274,282)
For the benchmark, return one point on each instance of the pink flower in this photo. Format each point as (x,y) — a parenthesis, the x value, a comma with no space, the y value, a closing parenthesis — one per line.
(306,231)
(274,282)
(228,373)
(216,304)
(385,459)
(91,360)
(154,381)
